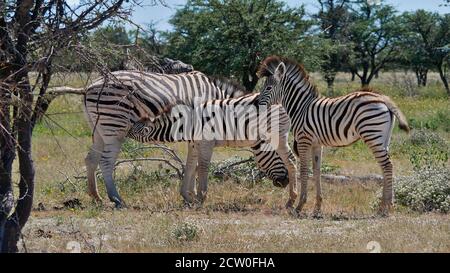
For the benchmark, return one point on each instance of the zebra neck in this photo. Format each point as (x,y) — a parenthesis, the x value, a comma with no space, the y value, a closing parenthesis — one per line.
(298,95)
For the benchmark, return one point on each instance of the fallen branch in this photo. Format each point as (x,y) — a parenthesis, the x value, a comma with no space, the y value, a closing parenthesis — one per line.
(64,90)
(178,171)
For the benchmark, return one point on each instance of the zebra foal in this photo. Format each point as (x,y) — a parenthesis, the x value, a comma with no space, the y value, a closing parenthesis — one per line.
(320,121)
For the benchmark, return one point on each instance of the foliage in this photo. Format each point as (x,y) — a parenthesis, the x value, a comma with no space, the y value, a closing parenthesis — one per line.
(437,121)
(230,37)
(333,19)
(425,190)
(185,232)
(432,34)
(375,34)
(428,150)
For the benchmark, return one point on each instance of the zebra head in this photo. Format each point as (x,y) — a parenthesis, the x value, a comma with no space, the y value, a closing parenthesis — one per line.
(273,69)
(170,66)
(280,181)
(143,131)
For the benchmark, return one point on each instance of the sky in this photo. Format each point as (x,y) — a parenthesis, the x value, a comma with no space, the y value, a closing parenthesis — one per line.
(160,15)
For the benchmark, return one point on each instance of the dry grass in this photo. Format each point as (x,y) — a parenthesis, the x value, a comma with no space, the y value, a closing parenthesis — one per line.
(218,231)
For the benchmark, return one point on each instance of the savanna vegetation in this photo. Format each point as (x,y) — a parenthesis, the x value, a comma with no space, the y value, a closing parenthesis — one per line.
(344,44)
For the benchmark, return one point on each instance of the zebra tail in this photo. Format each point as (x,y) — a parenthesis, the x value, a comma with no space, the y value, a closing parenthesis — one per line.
(88,117)
(402,121)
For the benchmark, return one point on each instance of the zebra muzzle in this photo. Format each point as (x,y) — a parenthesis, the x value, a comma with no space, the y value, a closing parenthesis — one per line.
(281,182)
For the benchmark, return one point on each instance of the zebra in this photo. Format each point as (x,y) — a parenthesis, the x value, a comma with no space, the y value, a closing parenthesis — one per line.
(114,104)
(320,121)
(164,129)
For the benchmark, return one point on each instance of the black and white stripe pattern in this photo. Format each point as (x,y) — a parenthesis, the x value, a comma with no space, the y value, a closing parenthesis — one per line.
(271,159)
(320,121)
(115,104)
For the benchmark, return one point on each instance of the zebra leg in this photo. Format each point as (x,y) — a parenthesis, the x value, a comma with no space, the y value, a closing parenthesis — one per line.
(304,153)
(382,156)
(92,159)
(378,143)
(317,161)
(205,151)
(108,159)
(187,188)
(289,160)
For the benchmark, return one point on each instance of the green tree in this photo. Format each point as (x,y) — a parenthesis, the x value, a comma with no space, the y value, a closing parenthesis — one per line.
(414,55)
(333,19)
(432,32)
(113,41)
(375,33)
(230,37)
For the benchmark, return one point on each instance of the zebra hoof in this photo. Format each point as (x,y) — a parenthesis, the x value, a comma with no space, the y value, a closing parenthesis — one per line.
(300,214)
(119,204)
(385,209)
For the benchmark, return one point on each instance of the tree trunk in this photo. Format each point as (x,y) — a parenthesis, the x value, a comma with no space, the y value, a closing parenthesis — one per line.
(353,75)
(15,223)
(330,84)
(365,77)
(249,81)
(443,78)
(6,160)
(421,75)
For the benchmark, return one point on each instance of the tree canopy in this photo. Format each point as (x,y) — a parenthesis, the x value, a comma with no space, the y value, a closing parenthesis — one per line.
(431,32)
(230,37)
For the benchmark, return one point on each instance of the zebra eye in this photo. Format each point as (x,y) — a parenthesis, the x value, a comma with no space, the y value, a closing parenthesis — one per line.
(269,88)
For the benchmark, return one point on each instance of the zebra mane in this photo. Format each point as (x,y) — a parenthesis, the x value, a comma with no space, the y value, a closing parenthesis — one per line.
(268,66)
(230,87)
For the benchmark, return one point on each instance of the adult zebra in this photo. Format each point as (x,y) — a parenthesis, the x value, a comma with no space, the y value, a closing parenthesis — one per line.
(114,104)
(236,122)
(320,121)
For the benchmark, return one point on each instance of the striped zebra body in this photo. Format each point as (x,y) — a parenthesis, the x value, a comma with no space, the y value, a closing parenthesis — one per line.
(320,121)
(115,104)
(271,156)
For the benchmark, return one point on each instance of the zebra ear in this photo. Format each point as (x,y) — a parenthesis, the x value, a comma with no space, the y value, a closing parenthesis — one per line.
(279,71)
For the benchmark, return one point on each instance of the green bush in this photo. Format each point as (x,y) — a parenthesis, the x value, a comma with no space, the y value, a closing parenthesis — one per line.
(437,121)
(427,150)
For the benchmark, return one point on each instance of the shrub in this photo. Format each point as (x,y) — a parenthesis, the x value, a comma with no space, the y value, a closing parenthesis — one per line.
(437,121)
(237,169)
(185,232)
(427,190)
(427,150)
